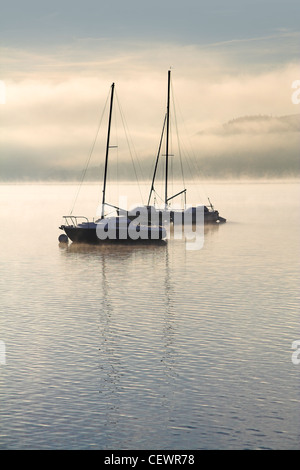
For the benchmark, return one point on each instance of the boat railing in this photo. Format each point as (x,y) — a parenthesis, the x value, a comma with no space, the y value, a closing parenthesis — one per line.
(75,220)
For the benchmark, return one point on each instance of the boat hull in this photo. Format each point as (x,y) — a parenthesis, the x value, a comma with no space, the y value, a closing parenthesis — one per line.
(89,236)
(178,217)
(210,217)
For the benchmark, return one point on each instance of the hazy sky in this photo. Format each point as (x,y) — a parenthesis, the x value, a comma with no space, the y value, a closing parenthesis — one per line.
(229,59)
(41,23)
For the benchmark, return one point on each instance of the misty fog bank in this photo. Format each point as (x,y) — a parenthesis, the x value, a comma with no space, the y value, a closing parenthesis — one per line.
(250,147)
(219,167)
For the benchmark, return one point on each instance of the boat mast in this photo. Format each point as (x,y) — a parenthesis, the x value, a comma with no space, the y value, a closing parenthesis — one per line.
(156,163)
(107,149)
(167,140)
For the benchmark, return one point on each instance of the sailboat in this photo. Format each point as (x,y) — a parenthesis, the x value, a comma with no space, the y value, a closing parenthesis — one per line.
(119,229)
(210,215)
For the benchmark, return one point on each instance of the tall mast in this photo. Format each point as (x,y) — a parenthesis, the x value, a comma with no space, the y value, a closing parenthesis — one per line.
(167,139)
(107,149)
(156,163)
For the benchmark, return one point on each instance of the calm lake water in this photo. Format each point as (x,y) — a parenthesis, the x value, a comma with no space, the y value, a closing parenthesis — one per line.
(150,347)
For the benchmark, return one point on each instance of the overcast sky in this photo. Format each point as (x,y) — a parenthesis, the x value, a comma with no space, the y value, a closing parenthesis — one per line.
(43,23)
(58,59)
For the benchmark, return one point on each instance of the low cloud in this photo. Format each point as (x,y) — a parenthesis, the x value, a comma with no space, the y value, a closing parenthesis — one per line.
(257,146)
(257,125)
(239,119)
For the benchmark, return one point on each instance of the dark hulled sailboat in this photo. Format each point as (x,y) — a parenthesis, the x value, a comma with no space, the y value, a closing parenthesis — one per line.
(118,229)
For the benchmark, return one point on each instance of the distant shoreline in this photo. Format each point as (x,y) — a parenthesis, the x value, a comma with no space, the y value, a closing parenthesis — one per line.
(235,180)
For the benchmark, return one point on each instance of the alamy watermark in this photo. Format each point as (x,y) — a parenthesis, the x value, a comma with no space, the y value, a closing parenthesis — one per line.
(150,223)
(296,354)
(2,353)
(296,93)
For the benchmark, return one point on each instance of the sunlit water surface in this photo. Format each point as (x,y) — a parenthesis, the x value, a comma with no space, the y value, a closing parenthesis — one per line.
(150,347)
